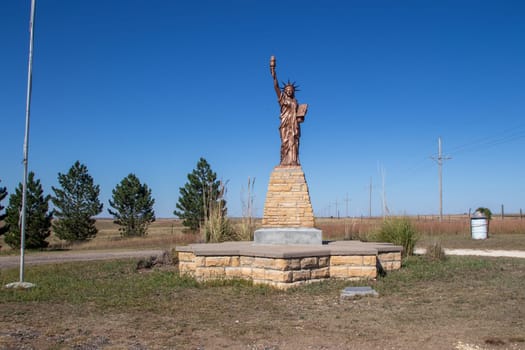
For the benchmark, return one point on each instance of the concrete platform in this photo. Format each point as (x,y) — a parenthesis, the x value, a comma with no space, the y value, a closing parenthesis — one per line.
(293,235)
(285,266)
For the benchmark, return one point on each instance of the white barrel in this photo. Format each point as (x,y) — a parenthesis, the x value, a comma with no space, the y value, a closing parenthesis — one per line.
(478,227)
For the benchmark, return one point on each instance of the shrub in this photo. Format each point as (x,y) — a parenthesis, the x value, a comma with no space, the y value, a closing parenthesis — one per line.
(399,231)
(485,211)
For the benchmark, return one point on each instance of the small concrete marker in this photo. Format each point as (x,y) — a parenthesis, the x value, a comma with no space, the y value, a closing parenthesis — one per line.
(20,285)
(354,292)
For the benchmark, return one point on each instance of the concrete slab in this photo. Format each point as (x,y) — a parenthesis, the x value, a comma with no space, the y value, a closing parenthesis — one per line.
(288,235)
(284,251)
(20,285)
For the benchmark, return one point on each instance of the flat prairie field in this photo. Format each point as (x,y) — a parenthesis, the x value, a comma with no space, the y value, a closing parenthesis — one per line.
(452,232)
(458,303)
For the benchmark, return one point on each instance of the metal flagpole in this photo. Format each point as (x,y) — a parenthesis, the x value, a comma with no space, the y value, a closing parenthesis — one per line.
(26,139)
(21,283)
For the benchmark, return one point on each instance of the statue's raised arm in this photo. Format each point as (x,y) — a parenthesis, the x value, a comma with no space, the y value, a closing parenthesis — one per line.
(274,76)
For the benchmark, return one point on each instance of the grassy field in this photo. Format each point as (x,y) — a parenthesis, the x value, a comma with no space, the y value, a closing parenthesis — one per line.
(461,303)
(453,232)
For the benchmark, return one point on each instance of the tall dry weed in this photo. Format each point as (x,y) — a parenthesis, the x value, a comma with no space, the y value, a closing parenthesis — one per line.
(217,227)
(246,228)
(435,251)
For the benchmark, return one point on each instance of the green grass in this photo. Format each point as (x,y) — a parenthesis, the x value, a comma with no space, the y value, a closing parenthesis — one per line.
(114,284)
(106,284)
(118,283)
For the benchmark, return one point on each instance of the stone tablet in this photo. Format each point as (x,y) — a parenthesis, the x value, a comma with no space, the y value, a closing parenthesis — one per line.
(354,292)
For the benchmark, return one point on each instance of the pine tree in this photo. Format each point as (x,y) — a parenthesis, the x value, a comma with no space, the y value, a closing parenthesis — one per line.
(198,195)
(3,225)
(133,206)
(76,203)
(38,219)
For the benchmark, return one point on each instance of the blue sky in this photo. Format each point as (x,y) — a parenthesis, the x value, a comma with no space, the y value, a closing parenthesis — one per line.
(149,87)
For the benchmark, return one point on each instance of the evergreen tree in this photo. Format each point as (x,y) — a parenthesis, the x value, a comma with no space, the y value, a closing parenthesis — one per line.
(199,195)
(38,219)
(76,203)
(133,206)
(3,225)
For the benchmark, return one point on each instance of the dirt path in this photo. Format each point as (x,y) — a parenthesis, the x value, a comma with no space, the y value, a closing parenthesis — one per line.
(13,261)
(480,252)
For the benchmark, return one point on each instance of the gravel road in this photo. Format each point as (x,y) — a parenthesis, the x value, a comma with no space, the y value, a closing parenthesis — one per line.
(12,261)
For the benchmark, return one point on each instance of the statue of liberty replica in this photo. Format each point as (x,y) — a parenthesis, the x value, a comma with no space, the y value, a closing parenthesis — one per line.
(288,215)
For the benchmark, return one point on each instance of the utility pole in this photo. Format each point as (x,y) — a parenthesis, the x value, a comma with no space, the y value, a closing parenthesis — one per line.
(385,207)
(346,201)
(370,199)
(439,159)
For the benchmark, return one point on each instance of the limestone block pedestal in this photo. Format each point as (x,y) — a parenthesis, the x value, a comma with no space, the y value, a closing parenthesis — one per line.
(287,266)
(288,217)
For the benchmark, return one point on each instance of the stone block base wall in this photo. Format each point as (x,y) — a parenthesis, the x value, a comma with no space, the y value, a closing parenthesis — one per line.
(287,200)
(389,261)
(284,273)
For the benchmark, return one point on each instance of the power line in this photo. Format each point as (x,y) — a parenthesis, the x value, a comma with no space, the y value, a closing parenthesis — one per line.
(505,136)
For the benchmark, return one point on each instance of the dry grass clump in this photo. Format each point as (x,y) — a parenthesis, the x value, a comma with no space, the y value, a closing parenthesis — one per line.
(220,228)
(217,227)
(435,251)
(247,225)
